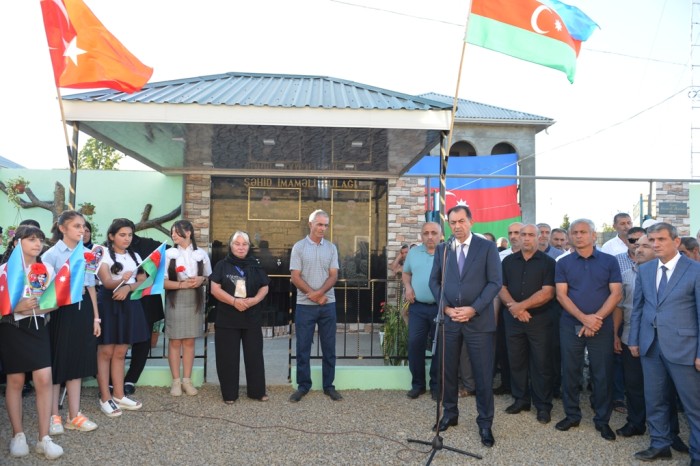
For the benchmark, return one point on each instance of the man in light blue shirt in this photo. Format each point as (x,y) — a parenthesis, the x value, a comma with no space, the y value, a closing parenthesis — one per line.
(422,308)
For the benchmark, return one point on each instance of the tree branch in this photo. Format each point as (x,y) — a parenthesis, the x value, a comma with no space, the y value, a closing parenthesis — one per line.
(156,223)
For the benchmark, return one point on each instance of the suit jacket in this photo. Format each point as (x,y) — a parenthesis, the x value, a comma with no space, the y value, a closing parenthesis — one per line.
(477,285)
(676,312)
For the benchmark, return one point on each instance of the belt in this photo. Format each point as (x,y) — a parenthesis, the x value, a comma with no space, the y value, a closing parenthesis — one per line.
(425,304)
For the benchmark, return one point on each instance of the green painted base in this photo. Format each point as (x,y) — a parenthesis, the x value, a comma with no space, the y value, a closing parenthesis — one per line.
(362,377)
(155,376)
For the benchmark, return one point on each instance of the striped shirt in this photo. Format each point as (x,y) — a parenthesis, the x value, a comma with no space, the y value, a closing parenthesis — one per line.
(314,261)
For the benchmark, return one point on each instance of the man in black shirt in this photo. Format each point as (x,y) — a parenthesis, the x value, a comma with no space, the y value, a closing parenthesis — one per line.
(528,289)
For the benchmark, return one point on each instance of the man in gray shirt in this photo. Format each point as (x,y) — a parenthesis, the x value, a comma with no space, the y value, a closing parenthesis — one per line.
(314,271)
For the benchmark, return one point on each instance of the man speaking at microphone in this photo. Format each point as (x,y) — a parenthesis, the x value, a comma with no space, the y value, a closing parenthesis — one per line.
(465,279)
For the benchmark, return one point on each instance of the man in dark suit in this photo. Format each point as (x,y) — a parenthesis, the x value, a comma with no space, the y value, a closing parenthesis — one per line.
(465,279)
(664,332)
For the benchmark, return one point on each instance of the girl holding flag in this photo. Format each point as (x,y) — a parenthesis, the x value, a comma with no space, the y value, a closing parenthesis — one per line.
(73,327)
(25,342)
(123,319)
(188,269)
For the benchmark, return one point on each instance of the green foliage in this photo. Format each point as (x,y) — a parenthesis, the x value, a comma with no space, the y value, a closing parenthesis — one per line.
(97,155)
(607,228)
(565,223)
(395,333)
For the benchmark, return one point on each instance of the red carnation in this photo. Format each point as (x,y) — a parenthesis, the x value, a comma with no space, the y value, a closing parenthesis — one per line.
(38,269)
(180,268)
(89,256)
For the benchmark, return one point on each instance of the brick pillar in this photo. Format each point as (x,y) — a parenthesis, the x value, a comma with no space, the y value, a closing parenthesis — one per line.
(676,194)
(197,208)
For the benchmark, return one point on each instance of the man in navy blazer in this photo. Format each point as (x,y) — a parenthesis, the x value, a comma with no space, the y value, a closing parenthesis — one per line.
(664,332)
(465,279)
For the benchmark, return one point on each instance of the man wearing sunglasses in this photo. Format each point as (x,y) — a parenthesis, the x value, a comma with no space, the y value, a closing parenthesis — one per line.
(627,258)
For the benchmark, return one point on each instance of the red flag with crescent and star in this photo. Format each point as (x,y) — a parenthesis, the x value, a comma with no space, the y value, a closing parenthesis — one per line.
(85,54)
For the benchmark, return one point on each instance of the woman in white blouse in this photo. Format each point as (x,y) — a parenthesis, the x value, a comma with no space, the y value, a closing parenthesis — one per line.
(188,269)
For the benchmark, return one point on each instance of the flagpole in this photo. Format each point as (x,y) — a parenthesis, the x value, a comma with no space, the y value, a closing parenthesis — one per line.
(444,152)
(72,149)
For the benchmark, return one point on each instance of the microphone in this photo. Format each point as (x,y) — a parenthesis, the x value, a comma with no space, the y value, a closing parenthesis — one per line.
(451,242)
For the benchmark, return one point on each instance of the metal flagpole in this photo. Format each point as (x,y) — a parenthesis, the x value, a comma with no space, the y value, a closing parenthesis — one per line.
(72,149)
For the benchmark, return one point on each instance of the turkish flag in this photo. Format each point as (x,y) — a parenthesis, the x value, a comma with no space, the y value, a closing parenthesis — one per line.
(85,54)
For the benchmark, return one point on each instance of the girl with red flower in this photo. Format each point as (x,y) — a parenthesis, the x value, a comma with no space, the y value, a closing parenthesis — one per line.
(25,347)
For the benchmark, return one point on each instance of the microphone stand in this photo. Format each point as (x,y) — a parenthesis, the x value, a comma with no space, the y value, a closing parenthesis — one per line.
(436,444)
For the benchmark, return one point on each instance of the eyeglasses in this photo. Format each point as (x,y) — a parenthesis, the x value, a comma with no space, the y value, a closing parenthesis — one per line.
(632,240)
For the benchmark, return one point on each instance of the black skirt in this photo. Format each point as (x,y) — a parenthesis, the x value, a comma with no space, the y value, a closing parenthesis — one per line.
(73,345)
(23,347)
(123,322)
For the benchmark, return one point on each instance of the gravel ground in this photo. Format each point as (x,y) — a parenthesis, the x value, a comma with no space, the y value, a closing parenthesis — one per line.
(367,427)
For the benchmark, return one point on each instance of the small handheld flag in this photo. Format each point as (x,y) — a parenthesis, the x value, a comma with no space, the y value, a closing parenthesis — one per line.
(67,286)
(154,266)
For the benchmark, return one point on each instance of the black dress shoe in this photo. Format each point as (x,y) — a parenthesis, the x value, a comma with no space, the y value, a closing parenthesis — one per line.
(630,430)
(651,454)
(679,445)
(334,395)
(446,422)
(486,437)
(517,407)
(566,424)
(501,390)
(694,462)
(129,388)
(297,396)
(415,393)
(543,417)
(434,395)
(605,431)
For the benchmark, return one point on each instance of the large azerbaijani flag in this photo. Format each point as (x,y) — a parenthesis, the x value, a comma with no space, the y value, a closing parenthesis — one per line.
(154,266)
(67,286)
(492,201)
(12,281)
(546,32)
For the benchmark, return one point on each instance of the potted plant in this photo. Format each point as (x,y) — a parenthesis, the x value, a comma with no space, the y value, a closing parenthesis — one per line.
(15,188)
(395,341)
(87,208)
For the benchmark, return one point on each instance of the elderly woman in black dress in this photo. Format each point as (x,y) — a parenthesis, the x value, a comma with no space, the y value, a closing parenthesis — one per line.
(240,285)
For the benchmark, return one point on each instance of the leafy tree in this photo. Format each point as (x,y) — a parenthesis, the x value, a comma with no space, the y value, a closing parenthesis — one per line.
(97,155)
(565,223)
(607,228)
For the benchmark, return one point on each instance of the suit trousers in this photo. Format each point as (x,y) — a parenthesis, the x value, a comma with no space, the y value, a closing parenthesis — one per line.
(600,356)
(634,390)
(228,355)
(421,323)
(481,347)
(658,374)
(529,346)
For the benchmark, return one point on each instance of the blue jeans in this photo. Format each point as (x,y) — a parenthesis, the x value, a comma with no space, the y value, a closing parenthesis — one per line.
(420,322)
(307,316)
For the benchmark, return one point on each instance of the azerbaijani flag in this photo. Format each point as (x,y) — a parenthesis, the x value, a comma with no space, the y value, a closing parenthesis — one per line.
(154,266)
(12,281)
(530,30)
(492,201)
(67,286)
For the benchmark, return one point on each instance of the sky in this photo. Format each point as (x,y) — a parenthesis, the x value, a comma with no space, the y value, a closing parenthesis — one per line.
(626,115)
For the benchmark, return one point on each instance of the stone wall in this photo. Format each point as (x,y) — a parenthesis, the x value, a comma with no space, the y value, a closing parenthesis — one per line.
(197,206)
(674,192)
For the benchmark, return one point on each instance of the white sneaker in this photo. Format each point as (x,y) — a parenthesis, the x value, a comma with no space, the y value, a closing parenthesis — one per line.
(49,449)
(110,408)
(18,446)
(128,404)
(56,426)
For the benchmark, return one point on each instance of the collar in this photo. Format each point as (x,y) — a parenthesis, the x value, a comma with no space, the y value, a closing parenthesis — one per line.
(595,254)
(323,241)
(670,265)
(467,242)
